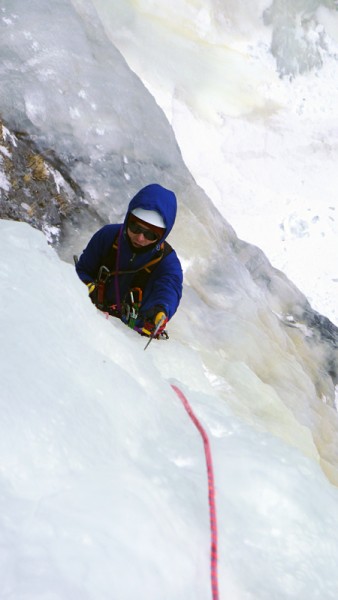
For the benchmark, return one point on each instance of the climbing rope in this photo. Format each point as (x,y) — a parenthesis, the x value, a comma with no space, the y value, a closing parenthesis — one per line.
(211,488)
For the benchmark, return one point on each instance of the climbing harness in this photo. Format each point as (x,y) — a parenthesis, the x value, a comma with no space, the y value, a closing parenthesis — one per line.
(128,308)
(211,489)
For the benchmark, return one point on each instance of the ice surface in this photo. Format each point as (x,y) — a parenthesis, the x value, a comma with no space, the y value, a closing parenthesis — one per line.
(262,147)
(225,278)
(68,87)
(103,481)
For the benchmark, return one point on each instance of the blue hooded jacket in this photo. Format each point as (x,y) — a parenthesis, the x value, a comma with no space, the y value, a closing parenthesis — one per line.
(164,286)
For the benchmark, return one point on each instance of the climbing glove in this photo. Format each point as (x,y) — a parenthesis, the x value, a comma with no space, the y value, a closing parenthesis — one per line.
(152,318)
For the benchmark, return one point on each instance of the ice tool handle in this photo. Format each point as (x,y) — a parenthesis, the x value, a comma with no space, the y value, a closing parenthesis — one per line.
(156,330)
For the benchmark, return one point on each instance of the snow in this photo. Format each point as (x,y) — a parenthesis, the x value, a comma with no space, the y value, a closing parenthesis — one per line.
(103,478)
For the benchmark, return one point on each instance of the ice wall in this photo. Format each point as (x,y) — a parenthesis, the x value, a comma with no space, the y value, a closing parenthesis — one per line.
(103,485)
(202,56)
(299,39)
(72,92)
(250,90)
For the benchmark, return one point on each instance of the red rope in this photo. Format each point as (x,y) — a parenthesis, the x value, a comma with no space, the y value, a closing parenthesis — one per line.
(211,488)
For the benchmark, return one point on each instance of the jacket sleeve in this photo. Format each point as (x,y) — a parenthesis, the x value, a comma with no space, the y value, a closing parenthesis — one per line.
(93,255)
(165,286)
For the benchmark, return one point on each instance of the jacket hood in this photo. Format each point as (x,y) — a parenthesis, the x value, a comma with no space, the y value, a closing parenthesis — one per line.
(155,197)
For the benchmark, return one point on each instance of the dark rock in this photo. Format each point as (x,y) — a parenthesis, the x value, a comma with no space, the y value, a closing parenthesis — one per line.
(38,188)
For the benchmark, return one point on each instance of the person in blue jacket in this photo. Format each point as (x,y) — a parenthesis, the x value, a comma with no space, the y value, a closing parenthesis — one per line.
(130,270)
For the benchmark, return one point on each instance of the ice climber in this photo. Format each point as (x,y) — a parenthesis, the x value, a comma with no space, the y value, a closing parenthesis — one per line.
(130,270)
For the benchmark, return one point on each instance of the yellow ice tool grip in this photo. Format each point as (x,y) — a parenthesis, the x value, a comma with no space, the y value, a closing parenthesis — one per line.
(160,321)
(91,287)
(159,317)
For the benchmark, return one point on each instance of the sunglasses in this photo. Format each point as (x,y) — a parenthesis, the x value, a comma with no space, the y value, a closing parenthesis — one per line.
(148,234)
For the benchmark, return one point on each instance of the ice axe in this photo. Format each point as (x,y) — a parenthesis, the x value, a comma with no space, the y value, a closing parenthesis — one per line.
(156,330)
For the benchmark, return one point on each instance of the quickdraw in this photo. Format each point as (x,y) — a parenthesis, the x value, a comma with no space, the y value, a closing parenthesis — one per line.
(131,309)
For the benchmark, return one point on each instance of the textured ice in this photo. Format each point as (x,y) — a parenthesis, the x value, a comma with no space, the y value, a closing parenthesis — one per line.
(103,483)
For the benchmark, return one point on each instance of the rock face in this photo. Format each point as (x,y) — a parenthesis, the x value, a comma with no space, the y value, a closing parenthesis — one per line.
(36,189)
